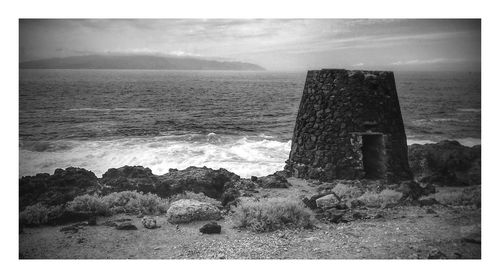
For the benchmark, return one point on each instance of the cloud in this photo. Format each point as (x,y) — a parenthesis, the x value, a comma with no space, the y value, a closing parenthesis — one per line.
(273,43)
(425,62)
(181,53)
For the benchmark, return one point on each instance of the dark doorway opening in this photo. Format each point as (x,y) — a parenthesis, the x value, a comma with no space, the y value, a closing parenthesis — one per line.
(374,156)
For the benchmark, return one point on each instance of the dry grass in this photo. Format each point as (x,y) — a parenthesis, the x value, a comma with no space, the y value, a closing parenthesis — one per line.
(470,196)
(347,192)
(129,202)
(272,214)
(382,199)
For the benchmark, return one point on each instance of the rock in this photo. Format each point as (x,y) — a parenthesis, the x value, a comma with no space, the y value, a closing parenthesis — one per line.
(356,203)
(335,217)
(447,163)
(229,197)
(328,201)
(273,181)
(436,254)
(184,211)
(92,220)
(211,228)
(359,215)
(126,226)
(428,202)
(473,238)
(129,178)
(430,211)
(311,202)
(205,180)
(72,228)
(411,190)
(149,222)
(243,185)
(57,189)
(428,189)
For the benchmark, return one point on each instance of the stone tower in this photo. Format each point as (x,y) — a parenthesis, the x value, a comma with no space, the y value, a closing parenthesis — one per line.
(349,126)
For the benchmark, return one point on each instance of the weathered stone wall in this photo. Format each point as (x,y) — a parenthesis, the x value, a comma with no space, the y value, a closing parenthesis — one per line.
(337,108)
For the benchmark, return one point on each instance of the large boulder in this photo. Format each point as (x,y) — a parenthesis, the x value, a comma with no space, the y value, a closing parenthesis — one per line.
(59,188)
(129,178)
(328,201)
(447,163)
(196,179)
(186,210)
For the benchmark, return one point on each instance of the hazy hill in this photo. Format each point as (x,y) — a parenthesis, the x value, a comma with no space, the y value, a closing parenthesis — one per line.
(135,62)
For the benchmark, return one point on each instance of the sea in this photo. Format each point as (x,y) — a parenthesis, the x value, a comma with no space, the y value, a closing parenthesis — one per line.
(238,120)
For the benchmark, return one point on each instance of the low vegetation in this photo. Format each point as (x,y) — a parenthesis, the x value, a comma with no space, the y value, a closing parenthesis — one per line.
(382,199)
(461,197)
(34,215)
(129,202)
(346,191)
(272,214)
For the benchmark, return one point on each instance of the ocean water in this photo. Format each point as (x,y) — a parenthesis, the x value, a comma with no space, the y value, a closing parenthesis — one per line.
(241,121)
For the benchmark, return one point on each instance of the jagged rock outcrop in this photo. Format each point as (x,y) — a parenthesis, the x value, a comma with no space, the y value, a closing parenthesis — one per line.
(196,179)
(59,188)
(447,163)
(129,178)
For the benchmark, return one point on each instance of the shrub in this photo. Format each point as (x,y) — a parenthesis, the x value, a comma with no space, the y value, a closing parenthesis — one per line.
(120,202)
(461,197)
(272,214)
(34,215)
(346,191)
(194,196)
(89,203)
(382,199)
(114,203)
(135,202)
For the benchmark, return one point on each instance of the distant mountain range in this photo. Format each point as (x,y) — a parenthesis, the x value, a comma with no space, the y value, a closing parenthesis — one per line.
(136,62)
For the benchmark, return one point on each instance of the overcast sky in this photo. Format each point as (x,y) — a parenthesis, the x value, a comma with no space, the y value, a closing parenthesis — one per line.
(276,44)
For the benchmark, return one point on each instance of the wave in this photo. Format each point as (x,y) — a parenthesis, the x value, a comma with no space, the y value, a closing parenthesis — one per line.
(476,110)
(245,156)
(469,141)
(107,109)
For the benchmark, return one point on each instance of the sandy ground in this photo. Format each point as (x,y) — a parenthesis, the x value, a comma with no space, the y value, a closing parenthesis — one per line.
(402,233)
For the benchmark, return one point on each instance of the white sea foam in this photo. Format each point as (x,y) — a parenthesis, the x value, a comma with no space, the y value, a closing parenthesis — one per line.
(470,110)
(469,142)
(243,156)
(108,109)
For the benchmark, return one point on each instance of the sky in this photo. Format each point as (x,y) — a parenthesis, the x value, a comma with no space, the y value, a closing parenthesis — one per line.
(275,44)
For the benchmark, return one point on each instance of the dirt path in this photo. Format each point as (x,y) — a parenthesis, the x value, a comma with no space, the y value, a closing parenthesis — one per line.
(405,232)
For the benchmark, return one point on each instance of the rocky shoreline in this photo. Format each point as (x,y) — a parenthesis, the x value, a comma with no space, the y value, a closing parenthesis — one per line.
(200,194)
(446,163)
